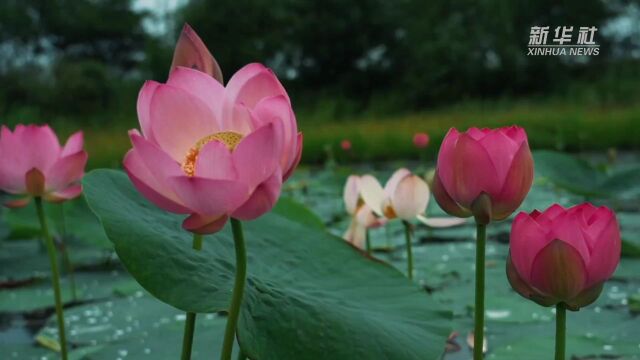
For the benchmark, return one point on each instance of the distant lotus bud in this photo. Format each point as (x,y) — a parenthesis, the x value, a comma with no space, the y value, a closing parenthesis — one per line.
(563,255)
(495,162)
(345,145)
(421,140)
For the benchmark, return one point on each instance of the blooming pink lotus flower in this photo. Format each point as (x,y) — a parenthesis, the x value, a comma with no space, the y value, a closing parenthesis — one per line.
(33,164)
(497,163)
(421,140)
(563,255)
(212,151)
(362,218)
(345,145)
(191,52)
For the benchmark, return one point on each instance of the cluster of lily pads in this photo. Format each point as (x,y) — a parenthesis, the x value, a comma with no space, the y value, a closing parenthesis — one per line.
(208,154)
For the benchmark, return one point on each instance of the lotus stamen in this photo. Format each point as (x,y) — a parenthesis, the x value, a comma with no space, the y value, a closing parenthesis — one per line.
(230,139)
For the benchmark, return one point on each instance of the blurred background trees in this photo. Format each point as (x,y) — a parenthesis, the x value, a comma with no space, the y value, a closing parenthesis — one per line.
(84,60)
(60,55)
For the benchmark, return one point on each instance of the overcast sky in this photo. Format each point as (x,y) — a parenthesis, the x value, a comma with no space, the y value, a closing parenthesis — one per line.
(157,24)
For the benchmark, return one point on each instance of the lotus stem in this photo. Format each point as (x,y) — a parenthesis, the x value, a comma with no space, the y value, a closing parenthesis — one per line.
(55,277)
(66,260)
(190,323)
(408,238)
(478,333)
(368,242)
(561,330)
(238,290)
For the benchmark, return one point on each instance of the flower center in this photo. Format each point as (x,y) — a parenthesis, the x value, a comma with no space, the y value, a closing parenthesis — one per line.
(230,139)
(388,210)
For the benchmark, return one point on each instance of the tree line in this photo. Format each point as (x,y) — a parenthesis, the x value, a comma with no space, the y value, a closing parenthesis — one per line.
(84,56)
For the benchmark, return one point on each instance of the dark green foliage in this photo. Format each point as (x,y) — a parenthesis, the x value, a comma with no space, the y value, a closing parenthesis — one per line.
(108,31)
(465,49)
(429,52)
(364,54)
(67,57)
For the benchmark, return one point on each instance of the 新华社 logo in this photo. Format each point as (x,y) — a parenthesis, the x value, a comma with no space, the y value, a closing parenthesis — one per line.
(562,41)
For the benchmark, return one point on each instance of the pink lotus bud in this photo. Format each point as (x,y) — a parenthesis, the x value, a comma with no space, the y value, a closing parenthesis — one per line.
(211,151)
(563,255)
(32,163)
(405,195)
(421,140)
(497,163)
(345,145)
(191,52)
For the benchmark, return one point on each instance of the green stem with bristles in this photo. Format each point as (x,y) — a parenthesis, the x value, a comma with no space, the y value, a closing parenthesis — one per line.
(478,333)
(408,237)
(66,260)
(190,323)
(368,242)
(238,290)
(55,277)
(561,330)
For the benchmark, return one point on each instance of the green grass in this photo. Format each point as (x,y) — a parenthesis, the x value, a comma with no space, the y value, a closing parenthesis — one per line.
(550,125)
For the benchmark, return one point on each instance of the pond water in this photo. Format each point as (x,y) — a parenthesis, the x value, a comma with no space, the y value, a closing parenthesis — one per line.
(109,316)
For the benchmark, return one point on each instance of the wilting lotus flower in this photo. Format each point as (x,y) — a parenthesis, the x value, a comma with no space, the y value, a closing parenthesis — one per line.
(563,255)
(191,52)
(496,163)
(405,195)
(33,164)
(362,218)
(212,151)
(421,140)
